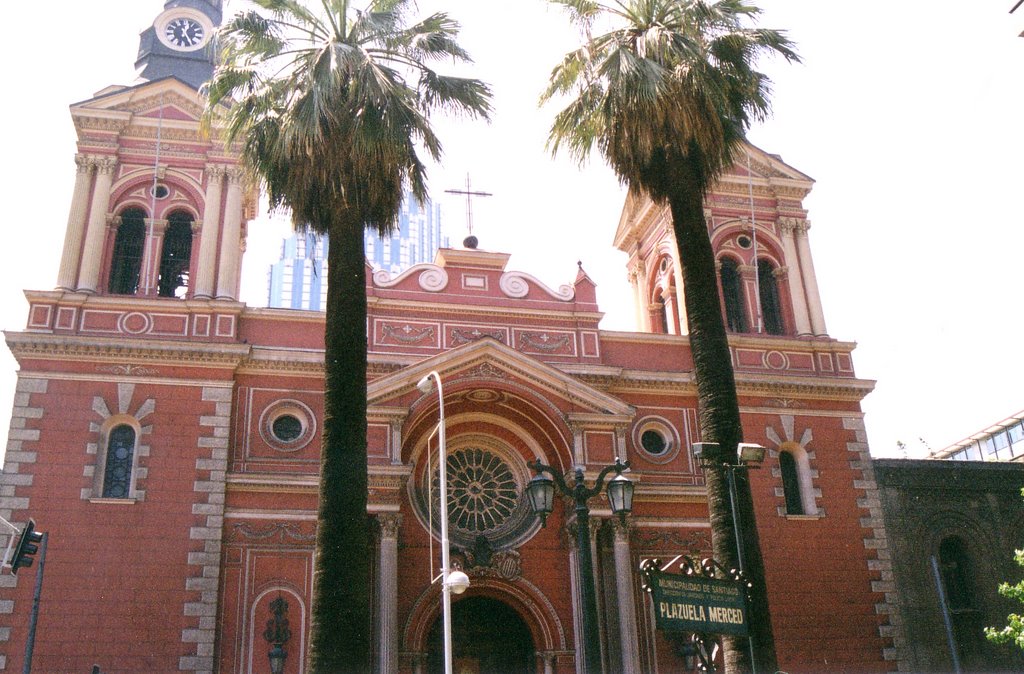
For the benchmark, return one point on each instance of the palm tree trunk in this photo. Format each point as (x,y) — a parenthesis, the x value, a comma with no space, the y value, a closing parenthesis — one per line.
(718,413)
(340,636)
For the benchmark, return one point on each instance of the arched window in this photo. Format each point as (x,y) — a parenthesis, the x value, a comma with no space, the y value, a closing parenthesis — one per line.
(177,252)
(732,293)
(117,470)
(791,483)
(955,568)
(127,258)
(771,309)
(958,584)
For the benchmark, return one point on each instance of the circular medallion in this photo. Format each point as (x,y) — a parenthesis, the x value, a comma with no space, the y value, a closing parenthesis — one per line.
(136,323)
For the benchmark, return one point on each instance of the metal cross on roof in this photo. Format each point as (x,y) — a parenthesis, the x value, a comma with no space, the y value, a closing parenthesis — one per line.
(469,194)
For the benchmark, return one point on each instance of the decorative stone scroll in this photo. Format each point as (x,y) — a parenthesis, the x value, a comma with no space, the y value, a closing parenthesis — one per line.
(432,278)
(517,285)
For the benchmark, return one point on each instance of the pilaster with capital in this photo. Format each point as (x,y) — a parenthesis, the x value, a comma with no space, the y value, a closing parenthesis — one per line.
(92,250)
(814,307)
(230,247)
(395,426)
(387,593)
(621,448)
(71,254)
(577,443)
(797,292)
(547,659)
(635,281)
(624,594)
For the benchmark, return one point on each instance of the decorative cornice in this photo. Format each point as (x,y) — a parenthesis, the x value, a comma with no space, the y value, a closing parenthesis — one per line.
(75,348)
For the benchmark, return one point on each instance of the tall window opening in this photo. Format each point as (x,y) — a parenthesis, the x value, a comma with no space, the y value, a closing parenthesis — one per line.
(127,258)
(958,583)
(955,568)
(732,294)
(771,308)
(177,252)
(117,471)
(791,483)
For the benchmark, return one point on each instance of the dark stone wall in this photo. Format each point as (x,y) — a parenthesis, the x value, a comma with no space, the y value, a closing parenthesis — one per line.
(980,504)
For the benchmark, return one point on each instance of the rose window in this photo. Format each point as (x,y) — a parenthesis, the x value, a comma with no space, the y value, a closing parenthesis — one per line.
(484,497)
(482,492)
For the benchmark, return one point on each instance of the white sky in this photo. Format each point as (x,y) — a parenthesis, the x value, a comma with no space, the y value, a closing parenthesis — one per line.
(907,114)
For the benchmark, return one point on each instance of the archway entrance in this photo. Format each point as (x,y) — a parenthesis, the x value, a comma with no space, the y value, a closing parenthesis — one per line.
(488,637)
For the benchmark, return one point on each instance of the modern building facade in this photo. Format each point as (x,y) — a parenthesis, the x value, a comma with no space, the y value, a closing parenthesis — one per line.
(298,279)
(166,436)
(1002,441)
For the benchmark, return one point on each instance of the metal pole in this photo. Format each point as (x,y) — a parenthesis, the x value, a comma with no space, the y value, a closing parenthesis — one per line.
(446,589)
(730,472)
(30,642)
(588,598)
(945,616)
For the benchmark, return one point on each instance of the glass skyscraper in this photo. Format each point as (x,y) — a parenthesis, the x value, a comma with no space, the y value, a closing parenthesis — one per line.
(299,279)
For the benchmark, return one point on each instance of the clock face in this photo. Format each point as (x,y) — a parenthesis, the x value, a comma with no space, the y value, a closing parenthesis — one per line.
(184,32)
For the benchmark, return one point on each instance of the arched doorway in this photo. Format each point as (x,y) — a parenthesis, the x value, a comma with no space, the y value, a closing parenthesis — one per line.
(488,637)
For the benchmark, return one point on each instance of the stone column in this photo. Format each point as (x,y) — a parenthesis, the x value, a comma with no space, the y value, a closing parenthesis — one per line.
(680,299)
(628,638)
(230,246)
(387,594)
(151,255)
(92,252)
(787,228)
(810,279)
(576,578)
(634,281)
(70,257)
(751,296)
(569,539)
(670,312)
(207,262)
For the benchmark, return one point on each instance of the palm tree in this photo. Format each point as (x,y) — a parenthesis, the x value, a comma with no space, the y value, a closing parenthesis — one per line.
(331,106)
(666,93)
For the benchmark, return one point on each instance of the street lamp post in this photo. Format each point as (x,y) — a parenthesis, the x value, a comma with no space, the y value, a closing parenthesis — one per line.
(458,581)
(541,493)
(748,455)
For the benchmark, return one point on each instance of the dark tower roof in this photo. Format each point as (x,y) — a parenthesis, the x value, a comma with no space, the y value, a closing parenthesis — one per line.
(181,42)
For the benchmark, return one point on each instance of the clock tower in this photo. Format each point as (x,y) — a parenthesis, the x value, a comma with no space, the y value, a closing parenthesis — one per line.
(181,42)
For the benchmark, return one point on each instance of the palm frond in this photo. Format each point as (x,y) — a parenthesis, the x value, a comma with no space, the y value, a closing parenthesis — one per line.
(669,78)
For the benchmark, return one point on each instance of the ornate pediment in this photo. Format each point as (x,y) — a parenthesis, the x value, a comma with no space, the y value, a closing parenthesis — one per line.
(488,359)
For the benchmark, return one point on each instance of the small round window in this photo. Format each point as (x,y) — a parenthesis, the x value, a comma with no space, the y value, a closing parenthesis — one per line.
(286,428)
(161,191)
(743,241)
(653,442)
(287,425)
(656,439)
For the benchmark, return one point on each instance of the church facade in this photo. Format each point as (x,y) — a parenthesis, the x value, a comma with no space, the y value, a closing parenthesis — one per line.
(166,436)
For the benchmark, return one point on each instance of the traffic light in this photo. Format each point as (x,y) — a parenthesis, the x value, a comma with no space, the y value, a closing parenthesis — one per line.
(28,545)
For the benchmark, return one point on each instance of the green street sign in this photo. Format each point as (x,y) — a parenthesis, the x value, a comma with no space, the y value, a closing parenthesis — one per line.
(698,604)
